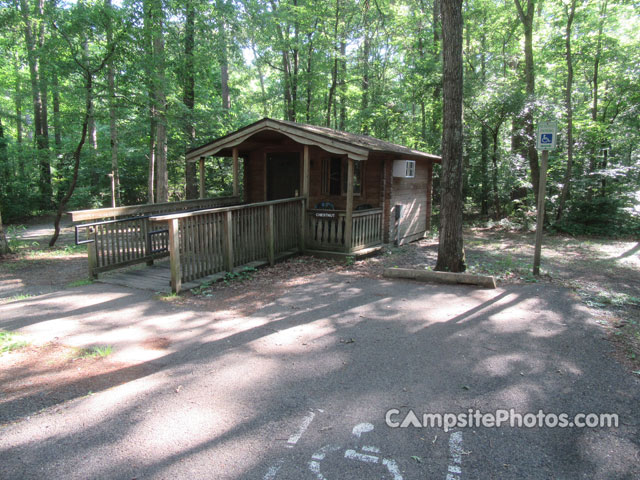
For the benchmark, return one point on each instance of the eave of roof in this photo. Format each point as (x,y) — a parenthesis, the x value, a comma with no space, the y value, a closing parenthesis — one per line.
(354,146)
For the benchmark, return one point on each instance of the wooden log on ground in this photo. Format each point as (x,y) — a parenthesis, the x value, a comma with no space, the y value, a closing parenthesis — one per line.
(441,277)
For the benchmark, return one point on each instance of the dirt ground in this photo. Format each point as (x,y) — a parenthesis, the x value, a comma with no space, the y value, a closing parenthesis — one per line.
(605,274)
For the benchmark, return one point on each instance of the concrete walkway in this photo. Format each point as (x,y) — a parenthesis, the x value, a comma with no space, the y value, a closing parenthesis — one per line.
(300,389)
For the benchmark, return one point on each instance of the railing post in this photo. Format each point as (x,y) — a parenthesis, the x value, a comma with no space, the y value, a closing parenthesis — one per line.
(144,230)
(228,239)
(271,248)
(174,255)
(92,252)
(303,224)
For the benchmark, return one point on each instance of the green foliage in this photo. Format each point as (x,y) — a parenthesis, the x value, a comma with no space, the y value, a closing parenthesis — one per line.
(98,351)
(9,342)
(357,66)
(240,276)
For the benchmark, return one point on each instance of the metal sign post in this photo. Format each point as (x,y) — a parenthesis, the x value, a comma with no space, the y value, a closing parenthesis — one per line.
(545,141)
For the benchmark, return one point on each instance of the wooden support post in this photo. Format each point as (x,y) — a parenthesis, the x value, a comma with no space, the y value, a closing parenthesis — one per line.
(228,240)
(202,189)
(271,245)
(348,219)
(236,170)
(429,207)
(174,255)
(92,253)
(542,188)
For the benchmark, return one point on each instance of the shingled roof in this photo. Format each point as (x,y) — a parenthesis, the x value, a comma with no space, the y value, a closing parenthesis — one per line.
(358,147)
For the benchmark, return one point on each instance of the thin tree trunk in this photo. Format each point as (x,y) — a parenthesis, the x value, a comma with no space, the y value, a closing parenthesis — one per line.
(76,157)
(91,126)
(224,61)
(162,178)
(309,77)
(484,171)
(532,154)
(595,82)
(57,124)
(113,125)
(189,97)
(494,160)
(38,91)
(150,73)
(19,127)
(568,92)
(451,255)
(4,244)
(342,86)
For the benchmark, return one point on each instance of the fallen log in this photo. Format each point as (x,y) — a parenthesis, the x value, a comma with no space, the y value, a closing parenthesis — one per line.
(441,277)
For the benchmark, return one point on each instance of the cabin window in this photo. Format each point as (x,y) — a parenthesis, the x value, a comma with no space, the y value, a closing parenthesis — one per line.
(334,176)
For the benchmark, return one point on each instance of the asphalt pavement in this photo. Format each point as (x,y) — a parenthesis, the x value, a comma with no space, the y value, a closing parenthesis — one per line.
(317,384)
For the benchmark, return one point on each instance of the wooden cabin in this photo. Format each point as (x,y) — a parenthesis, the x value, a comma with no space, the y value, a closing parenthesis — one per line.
(360,191)
(305,189)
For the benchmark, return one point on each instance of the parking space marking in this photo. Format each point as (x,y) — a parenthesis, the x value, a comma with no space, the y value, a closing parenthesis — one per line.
(455,451)
(293,439)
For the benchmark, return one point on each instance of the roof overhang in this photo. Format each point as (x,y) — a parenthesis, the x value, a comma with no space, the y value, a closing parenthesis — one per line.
(301,136)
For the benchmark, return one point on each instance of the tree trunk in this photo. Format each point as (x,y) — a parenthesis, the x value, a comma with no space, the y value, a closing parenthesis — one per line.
(596,85)
(113,125)
(150,72)
(567,174)
(451,255)
(76,157)
(342,86)
(484,170)
(494,160)
(529,71)
(4,244)
(224,61)
(34,40)
(189,97)
(162,178)
(57,125)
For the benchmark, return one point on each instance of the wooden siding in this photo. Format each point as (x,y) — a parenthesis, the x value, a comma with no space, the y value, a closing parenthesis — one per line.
(411,193)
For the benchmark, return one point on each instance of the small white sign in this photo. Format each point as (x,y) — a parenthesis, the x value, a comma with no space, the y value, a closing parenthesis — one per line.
(547,135)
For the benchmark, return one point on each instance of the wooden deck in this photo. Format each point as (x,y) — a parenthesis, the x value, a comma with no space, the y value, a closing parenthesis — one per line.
(157,277)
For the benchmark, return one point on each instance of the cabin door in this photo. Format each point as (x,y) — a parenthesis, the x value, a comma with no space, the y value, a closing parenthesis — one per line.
(283,175)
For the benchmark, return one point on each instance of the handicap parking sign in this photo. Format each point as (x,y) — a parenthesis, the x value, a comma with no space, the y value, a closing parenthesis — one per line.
(547,133)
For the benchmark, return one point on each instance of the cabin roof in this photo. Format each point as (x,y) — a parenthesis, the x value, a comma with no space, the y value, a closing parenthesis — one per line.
(358,147)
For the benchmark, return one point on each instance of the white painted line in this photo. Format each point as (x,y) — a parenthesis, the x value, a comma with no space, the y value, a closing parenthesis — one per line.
(392,466)
(273,470)
(368,448)
(293,439)
(353,455)
(361,428)
(455,451)
(455,447)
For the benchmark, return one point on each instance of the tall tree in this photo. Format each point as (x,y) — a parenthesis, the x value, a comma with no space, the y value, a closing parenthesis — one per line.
(189,95)
(111,92)
(34,34)
(451,255)
(570,12)
(4,244)
(527,17)
(162,173)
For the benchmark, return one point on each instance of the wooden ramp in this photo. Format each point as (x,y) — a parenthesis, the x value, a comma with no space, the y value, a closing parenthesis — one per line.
(156,278)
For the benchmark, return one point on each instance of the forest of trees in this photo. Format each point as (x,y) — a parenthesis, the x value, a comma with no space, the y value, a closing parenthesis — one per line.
(121,90)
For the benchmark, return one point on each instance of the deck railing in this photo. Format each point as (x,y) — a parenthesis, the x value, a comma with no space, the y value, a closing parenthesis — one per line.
(128,237)
(326,230)
(207,242)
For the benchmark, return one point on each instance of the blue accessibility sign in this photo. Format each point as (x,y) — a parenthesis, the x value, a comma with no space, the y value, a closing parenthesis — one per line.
(546,137)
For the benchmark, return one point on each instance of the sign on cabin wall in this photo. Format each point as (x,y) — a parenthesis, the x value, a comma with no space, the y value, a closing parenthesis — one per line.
(325,215)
